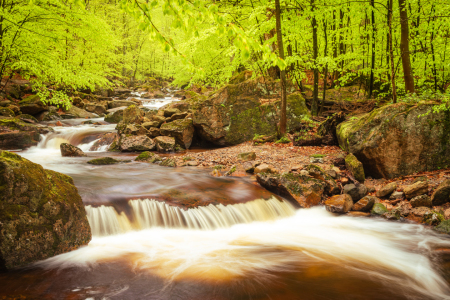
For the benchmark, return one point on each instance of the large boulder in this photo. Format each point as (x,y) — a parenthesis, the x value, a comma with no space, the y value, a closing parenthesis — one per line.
(181,130)
(339,204)
(398,139)
(442,194)
(132,114)
(236,112)
(70,150)
(165,143)
(78,113)
(95,108)
(355,167)
(32,105)
(416,189)
(17,134)
(115,116)
(41,213)
(136,143)
(302,191)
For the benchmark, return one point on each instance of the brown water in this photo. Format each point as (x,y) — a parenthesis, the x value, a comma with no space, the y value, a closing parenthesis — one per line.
(262,251)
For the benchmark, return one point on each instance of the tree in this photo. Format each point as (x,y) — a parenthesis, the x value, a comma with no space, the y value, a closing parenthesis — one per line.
(283,72)
(404,48)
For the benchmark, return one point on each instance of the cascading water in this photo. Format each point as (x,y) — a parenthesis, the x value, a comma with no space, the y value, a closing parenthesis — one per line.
(105,220)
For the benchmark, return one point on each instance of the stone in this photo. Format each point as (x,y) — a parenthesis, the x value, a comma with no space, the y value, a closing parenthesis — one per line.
(398,139)
(5,103)
(443,227)
(340,204)
(154,124)
(249,166)
(236,112)
(15,109)
(355,167)
(192,163)
(148,157)
(41,213)
(103,141)
(304,173)
(264,168)
(302,191)
(442,193)
(115,117)
(247,156)
(358,214)
(169,162)
(415,189)
(418,213)
(396,195)
(136,143)
(386,190)
(28,118)
(179,116)
(6,112)
(165,143)
(70,150)
(316,160)
(103,161)
(75,112)
(132,114)
(422,200)
(317,172)
(378,209)
(356,192)
(365,204)
(181,130)
(95,108)
(332,173)
(16,134)
(170,112)
(432,218)
(153,132)
(32,105)
(134,129)
(120,103)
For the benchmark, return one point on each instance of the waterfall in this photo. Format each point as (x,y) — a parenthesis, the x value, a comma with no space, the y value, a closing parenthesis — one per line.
(105,220)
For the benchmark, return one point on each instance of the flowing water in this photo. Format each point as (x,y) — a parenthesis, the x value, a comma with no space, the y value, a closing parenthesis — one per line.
(178,233)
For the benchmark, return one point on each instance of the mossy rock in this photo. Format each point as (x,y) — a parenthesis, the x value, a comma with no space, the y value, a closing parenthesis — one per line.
(148,157)
(103,161)
(168,163)
(41,213)
(355,167)
(17,134)
(6,112)
(378,209)
(443,227)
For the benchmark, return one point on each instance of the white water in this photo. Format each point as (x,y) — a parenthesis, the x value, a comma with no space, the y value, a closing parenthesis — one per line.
(105,220)
(393,253)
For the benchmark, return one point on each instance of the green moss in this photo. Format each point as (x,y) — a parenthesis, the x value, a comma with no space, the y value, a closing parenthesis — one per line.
(378,209)
(218,167)
(443,227)
(144,156)
(318,155)
(355,167)
(169,163)
(103,161)
(29,100)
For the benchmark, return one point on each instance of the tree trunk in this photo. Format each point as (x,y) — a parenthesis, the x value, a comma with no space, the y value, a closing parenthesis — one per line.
(404,47)
(282,72)
(325,76)
(315,102)
(372,66)
(391,53)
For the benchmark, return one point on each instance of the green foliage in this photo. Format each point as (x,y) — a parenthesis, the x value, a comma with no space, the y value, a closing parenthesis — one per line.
(283,140)
(318,155)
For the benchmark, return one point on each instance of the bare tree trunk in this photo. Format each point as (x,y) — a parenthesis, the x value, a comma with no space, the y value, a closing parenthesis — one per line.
(315,102)
(283,120)
(404,47)
(391,53)
(372,66)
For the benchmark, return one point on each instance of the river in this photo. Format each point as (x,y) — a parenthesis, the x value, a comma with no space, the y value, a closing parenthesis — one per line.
(240,242)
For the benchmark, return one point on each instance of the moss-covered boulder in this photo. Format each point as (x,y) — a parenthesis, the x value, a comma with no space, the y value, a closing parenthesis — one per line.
(114,116)
(442,193)
(103,161)
(6,112)
(41,213)
(181,130)
(378,209)
(32,105)
(355,167)
(398,139)
(148,157)
(236,112)
(129,143)
(165,143)
(302,191)
(95,108)
(443,227)
(119,103)
(132,114)
(17,134)
(70,150)
(75,112)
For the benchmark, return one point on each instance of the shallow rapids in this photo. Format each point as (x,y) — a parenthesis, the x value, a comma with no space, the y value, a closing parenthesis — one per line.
(311,247)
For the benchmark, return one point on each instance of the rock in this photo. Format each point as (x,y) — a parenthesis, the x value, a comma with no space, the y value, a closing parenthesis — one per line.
(300,190)
(316,160)
(387,189)
(432,218)
(421,178)
(304,173)
(5,103)
(170,112)
(41,213)
(136,143)
(70,150)
(443,227)
(120,103)
(115,117)
(28,118)
(396,195)
(235,113)
(132,114)
(134,129)
(153,132)
(358,214)
(179,116)
(422,200)
(265,168)
(6,112)
(231,170)
(75,112)
(355,167)
(16,134)
(95,108)
(365,204)
(103,161)
(442,194)
(181,130)
(378,209)
(15,109)
(416,189)
(332,173)
(148,157)
(247,156)
(314,171)
(32,105)
(393,215)
(418,213)
(104,140)
(339,160)
(340,204)
(356,192)
(249,166)
(192,163)
(397,140)
(165,143)
(169,162)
